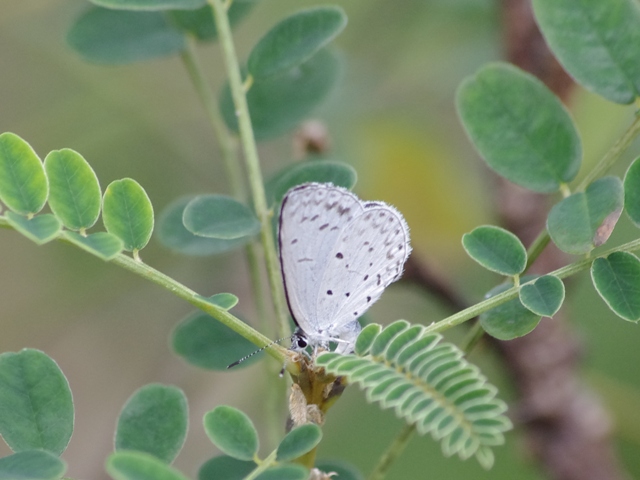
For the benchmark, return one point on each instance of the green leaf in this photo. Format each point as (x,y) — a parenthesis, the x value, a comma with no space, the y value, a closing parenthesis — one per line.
(632,192)
(40,229)
(366,337)
(23,183)
(319,171)
(285,472)
(225,467)
(129,465)
(429,384)
(172,234)
(116,37)
(616,279)
(100,244)
(36,408)
(543,296)
(223,300)
(31,465)
(219,216)
(74,191)
(519,127)
(299,441)
(593,40)
(294,40)
(585,220)
(150,4)
(343,470)
(154,420)
(199,23)
(384,338)
(277,105)
(496,249)
(127,213)
(206,343)
(509,320)
(232,432)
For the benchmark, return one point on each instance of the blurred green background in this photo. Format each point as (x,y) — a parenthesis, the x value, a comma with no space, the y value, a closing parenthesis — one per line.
(392,117)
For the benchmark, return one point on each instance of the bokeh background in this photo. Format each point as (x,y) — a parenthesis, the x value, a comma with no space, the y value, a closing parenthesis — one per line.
(392,117)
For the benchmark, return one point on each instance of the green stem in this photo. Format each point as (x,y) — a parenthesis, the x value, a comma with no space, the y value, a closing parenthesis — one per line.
(229,154)
(252,163)
(266,463)
(510,294)
(393,452)
(472,338)
(225,142)
(612,155)
(200,302)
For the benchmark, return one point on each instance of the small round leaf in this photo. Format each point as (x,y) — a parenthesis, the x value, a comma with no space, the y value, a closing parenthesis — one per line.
(74,191)
(616,279)
(496,249)
(543,296)
(40,229)
(294,40)
(320,171)
(519,127)
(585,220)
(150,4)
(36,408)
(225,467)
(31,465)
(591,40)
(100,244)
(127,213)
(285,472)
(116,37)
(206,343)
(632,192)
(23,183)
(131,465)
(219,216)
(509,320)
(172,234)
(279,104)
(154,420)
(225,301)
(299,441)
(366,338)
(232,432)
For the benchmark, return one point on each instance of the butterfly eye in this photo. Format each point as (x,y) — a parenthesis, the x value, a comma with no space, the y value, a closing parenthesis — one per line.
(301,342)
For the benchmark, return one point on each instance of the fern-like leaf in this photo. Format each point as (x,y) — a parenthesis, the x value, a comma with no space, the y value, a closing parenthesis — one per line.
(429,384)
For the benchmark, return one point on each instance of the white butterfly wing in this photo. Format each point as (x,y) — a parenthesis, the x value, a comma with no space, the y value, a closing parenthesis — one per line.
(368,255)
(312,219)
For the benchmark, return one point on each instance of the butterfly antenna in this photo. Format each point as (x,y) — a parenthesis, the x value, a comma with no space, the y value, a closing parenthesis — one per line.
(237,362)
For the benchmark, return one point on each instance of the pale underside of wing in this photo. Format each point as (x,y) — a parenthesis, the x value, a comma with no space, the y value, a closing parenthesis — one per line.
(338,255)
(311,219)
(369,255)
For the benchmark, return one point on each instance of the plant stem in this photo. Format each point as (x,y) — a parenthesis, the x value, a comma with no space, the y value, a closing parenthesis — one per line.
(266,463)
(225,142)
(200,302)
(612,155)
(252,163)
(229,153)
(510,294)
(393,452)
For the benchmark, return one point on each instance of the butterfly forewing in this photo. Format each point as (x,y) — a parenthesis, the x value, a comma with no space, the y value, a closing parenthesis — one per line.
(311,220)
